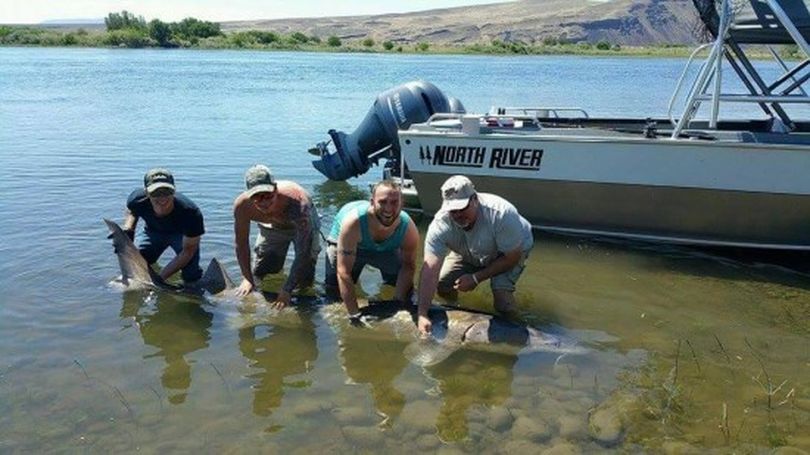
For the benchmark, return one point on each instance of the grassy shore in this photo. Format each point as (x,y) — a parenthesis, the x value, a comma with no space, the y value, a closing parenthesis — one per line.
(270,41)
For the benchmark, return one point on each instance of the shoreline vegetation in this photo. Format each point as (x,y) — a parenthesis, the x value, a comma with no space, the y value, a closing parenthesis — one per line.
(125,30)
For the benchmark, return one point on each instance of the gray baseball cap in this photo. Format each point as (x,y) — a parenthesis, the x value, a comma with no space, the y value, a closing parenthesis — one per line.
(456,192)
(158,178)
(259,179)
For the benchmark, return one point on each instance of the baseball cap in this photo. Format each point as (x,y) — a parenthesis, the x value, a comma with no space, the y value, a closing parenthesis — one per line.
(456,192)
(158,178)
(259,179)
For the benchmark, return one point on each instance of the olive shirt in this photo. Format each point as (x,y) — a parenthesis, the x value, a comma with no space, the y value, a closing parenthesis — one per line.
(498,229)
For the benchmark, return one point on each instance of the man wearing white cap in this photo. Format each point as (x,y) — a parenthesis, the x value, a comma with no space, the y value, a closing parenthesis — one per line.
(285,214)
(473,238)
(171,219)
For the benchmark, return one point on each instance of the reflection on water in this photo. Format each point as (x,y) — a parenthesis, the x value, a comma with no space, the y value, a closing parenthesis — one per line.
(376,363)
(176,327)
(275,353)
(464,381)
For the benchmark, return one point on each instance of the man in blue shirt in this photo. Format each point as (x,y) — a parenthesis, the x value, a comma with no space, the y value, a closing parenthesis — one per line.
(172,220)
(376,233)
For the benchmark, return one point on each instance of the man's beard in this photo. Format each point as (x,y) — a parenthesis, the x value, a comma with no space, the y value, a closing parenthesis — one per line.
(382,221)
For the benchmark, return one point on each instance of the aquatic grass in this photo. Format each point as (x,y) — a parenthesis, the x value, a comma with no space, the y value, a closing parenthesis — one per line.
(159,398)
(115,390)
(694,356)
(227,387)
(768,386)
(725,426)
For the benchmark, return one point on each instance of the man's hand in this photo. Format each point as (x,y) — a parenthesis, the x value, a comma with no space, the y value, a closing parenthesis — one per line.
(245,288)
(424,325)
(283,299)
(465,283)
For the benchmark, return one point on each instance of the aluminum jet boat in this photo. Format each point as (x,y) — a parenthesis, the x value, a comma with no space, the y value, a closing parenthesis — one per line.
(675,179)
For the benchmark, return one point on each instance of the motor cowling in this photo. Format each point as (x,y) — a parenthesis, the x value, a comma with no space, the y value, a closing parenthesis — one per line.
(376,136)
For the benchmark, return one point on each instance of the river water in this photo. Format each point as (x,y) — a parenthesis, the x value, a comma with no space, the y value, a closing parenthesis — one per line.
(686,349)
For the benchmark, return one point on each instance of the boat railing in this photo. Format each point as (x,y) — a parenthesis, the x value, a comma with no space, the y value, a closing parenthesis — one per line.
(707,85)
(456,121)
(539,112)
(681,79)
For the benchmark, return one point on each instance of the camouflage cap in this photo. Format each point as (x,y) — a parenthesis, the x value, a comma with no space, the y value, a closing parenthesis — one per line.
(259,179)
(456,192)
(158,178)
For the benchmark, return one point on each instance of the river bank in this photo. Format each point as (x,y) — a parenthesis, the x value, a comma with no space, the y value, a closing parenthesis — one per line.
(36,36)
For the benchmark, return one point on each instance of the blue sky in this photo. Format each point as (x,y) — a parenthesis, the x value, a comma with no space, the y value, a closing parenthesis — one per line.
(34,11)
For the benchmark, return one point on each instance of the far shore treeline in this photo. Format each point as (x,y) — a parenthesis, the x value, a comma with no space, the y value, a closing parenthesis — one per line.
(126,30)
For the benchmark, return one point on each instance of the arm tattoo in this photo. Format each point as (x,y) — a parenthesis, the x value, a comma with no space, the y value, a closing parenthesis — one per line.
(346,252)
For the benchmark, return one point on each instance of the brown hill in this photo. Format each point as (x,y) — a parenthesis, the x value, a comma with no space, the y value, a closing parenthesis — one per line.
(625,22)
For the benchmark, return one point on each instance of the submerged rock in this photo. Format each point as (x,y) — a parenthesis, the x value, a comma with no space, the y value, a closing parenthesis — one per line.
(605,426)
(428,442)
(536,430)
(419,417)
(499,419)
(563,448)
(366,437)
(572,428)
(679,448)
(789,451)
(521,446)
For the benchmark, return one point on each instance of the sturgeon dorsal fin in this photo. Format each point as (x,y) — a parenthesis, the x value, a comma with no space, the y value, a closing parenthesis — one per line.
(216,279)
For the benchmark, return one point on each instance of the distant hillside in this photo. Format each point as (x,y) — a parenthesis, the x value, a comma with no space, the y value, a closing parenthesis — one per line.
(624,22)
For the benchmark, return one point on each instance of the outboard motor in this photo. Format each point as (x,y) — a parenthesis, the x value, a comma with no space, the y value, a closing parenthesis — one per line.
(376,137)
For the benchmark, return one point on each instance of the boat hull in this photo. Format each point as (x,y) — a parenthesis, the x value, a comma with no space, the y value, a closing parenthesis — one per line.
(750,195)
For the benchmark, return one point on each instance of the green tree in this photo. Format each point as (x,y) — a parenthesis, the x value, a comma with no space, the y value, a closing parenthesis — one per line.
(299,37)
(388,45)
(314,39)
(69,39)
(603,45)
(194,28)
(160,32)
(333,41)
(124,20)
(368,42)
(422,47)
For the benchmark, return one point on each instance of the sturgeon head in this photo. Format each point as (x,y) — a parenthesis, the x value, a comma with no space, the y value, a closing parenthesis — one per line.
(454,329)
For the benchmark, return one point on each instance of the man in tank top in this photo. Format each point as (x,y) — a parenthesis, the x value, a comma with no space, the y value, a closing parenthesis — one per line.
(376,233)
(285,214)
(474,237)
(171,220)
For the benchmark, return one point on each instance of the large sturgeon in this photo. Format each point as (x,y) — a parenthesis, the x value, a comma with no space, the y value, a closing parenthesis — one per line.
(136,273)
(455,328)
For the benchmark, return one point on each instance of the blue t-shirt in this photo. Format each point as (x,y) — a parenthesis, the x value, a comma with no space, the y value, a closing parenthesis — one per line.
(185,218)
(367,243)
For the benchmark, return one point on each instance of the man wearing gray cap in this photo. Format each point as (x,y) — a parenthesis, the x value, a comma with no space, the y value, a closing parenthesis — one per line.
(474,237)
(285,214)
(171,220)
